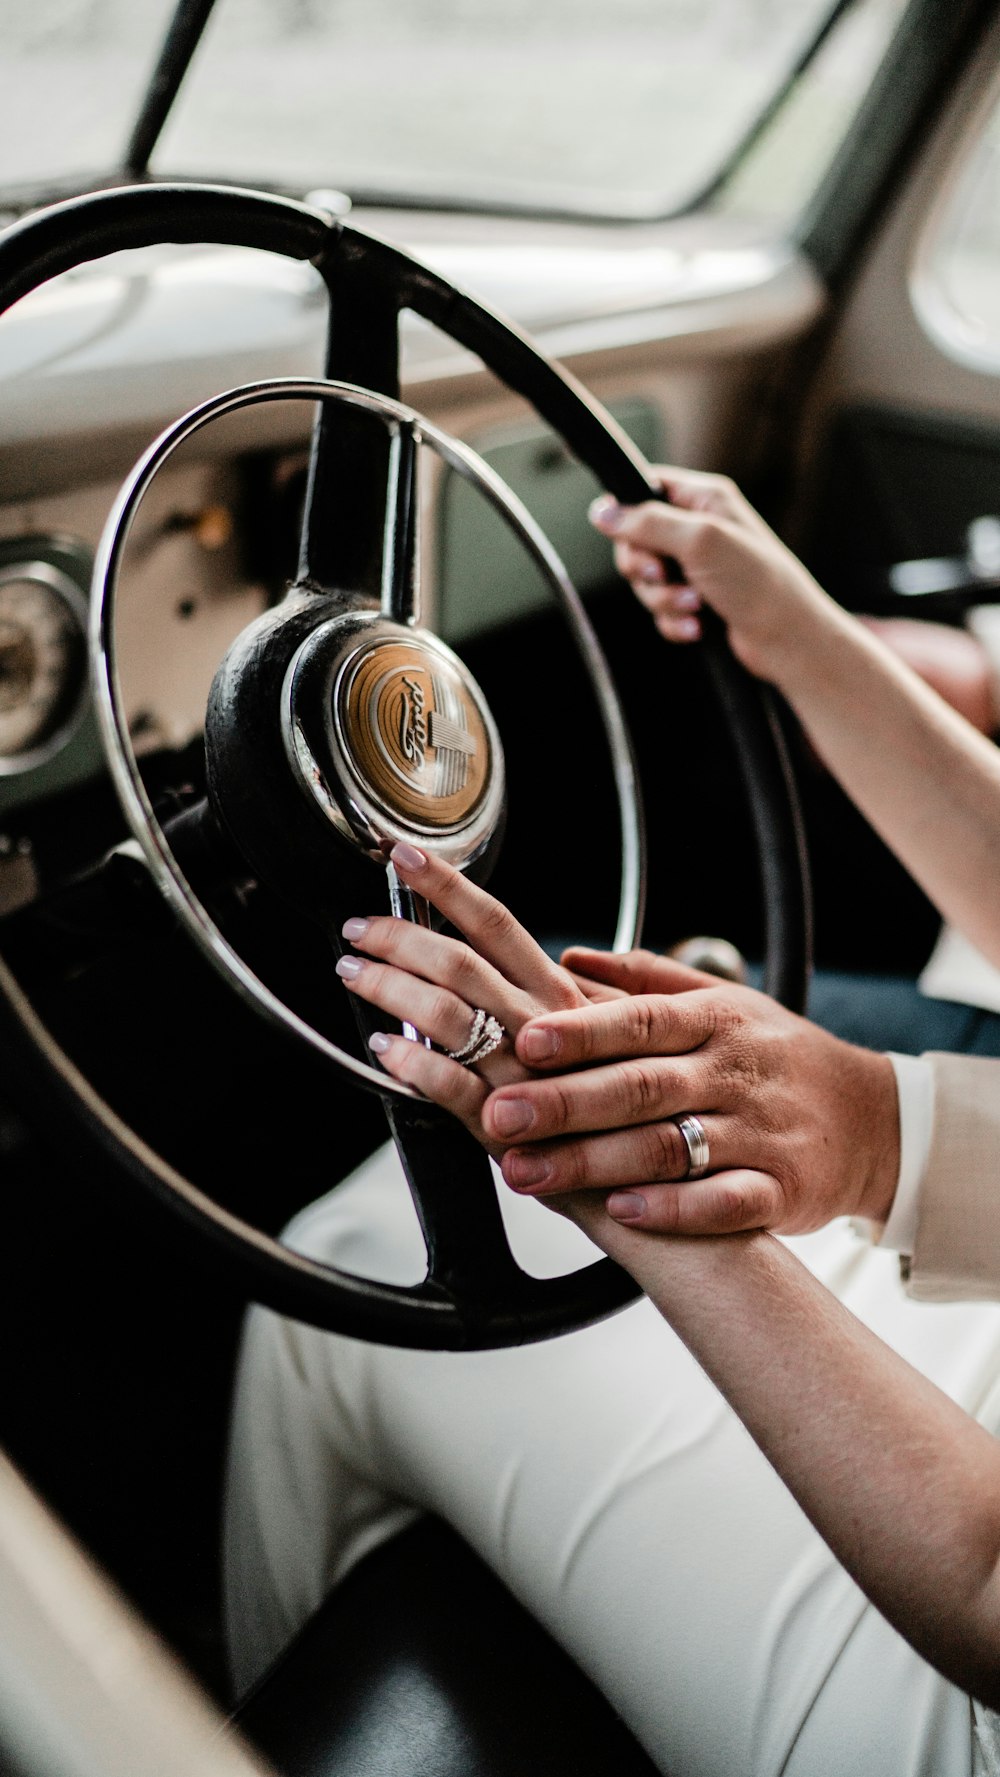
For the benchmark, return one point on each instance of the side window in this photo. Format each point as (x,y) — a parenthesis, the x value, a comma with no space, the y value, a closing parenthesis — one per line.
(957,283)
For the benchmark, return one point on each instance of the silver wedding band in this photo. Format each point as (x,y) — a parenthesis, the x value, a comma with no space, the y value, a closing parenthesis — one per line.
(486,1034)
(692,1131)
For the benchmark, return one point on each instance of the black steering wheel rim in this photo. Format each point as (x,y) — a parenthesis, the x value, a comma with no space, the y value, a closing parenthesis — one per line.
(461,1306)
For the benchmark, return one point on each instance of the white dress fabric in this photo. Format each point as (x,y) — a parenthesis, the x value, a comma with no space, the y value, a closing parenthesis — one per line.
(608,1484)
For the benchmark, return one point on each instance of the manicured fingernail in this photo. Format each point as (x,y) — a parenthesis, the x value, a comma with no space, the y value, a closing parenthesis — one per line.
(350,967)
(686,599)
(539,1045)
(625,1206)
(689,628)
(407,856)
(355,928)
(511,1115)
(522,1170)
(378,1042)
(651,572)
(605,513)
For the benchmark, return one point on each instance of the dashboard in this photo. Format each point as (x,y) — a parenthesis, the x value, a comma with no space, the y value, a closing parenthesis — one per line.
(669,325)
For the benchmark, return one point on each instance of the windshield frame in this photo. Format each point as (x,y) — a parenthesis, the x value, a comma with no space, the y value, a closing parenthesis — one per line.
(179,47)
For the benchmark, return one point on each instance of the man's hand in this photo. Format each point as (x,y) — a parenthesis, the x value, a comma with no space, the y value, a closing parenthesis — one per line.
(801,1126)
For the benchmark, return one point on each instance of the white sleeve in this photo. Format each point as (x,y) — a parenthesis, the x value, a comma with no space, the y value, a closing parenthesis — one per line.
(915,1095)
(915,1086)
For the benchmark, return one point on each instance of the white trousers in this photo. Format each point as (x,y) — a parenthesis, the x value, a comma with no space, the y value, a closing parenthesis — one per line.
(605,1480)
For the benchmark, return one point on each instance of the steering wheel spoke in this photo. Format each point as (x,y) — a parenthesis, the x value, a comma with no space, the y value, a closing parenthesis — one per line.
(450,1181)
(346,510)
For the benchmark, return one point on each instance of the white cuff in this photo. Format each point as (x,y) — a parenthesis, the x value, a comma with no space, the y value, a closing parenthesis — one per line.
(915,1086)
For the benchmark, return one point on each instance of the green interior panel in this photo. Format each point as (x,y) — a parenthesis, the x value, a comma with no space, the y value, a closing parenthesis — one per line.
(485,575)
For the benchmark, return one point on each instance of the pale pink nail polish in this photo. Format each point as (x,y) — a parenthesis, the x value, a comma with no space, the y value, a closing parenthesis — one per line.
(605,513)
(350,967)
(355,928)
(378,1042)
(407,856)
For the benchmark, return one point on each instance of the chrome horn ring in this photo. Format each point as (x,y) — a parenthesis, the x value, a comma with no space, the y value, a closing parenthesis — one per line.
(143,824)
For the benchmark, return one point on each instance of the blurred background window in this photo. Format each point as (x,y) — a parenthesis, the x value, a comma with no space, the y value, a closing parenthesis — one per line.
(624,108)
(957,286)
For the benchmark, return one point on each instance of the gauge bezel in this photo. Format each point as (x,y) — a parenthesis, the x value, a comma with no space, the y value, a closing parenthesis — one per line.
(55,580)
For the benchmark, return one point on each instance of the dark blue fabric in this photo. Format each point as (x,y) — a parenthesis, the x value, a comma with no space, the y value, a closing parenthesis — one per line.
(887,1012)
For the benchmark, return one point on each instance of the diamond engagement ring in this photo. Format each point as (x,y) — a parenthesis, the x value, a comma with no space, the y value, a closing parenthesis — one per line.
(486,1034)
(692,1131)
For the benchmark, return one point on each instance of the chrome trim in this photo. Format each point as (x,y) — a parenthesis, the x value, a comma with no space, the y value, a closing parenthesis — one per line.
(122,765)
(56,581)
(404,443)
(359,816)
(406,905)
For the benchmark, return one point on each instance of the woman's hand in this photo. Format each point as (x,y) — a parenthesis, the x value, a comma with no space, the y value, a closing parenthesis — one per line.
(437,984)
(801,1127)
(729,559)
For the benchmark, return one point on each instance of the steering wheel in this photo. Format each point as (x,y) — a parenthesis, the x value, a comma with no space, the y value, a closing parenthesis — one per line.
(337,721)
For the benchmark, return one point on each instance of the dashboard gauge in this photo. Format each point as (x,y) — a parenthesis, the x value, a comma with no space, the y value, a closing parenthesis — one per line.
(43,662)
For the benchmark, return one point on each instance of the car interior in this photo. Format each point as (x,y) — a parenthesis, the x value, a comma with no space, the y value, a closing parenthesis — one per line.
(250,407)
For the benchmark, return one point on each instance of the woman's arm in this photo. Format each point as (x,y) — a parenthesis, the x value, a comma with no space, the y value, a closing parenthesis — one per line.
(902,1485)
(925,780)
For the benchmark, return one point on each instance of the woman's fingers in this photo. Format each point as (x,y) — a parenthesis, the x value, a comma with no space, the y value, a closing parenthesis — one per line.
(443,1081)
(435,1011)
(719,548)
(488,925)
(699,491)
(437,983)
(672,606)
(657,529)
(430,961)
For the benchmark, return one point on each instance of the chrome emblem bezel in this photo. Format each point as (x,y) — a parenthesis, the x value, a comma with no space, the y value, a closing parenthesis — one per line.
(324,755)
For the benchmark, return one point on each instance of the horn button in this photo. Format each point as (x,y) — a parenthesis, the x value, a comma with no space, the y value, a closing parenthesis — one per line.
(390,735)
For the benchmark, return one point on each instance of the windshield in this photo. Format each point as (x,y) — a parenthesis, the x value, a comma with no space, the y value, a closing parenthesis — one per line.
(620,107)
